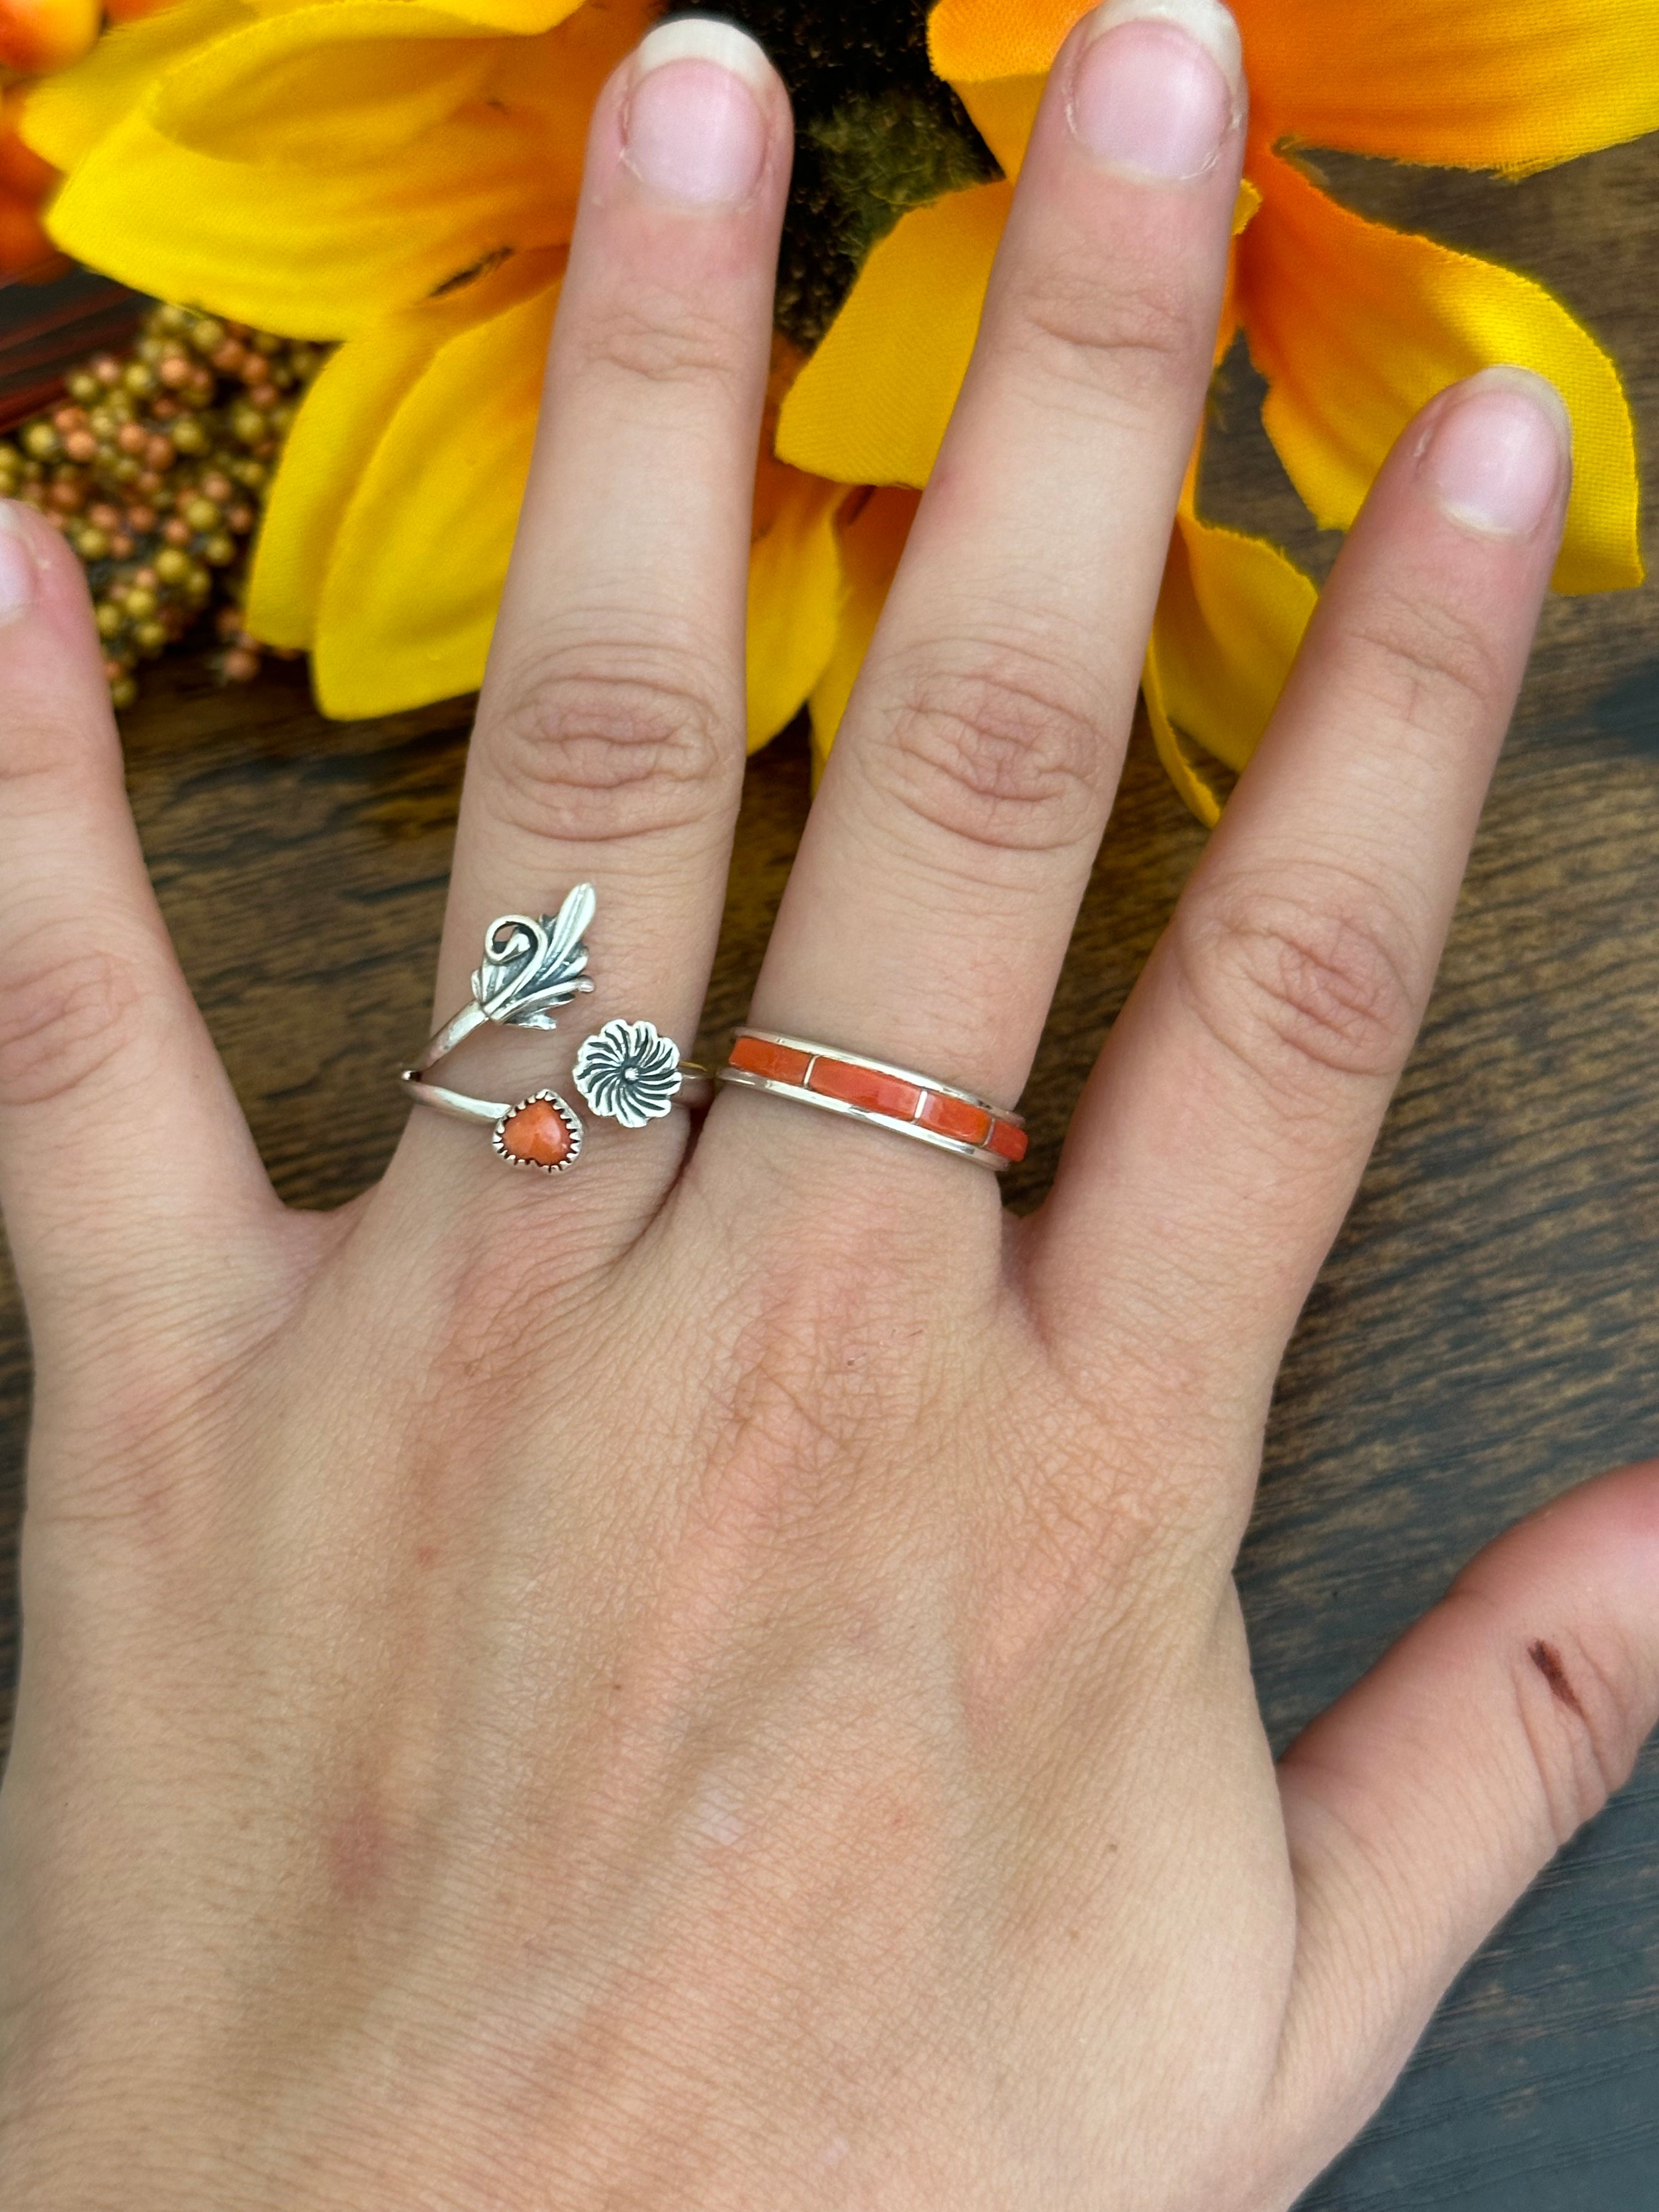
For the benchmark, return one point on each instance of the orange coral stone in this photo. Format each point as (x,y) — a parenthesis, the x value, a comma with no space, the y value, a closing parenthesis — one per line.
(868,1087)
(1007,1141)
(538,1133)
(758,1056)
(954,1117)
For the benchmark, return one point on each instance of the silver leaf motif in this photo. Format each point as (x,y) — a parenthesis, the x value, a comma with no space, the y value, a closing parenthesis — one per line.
(531,967)
(628,1072)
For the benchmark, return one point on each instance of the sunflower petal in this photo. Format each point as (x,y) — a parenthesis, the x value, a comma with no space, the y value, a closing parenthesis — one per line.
(1188,779)
(336,246)
(334,438)
(872,536)
(347,83)
(972,40)
(68,114)
(1355,326)
(419,561)
(408,603)
(561,76)
(1462,84)
(517,18)
(1002,109)
(872,404)
(1230,620)
(794,594)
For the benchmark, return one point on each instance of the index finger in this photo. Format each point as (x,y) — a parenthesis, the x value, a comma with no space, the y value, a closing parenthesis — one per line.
(123,1155)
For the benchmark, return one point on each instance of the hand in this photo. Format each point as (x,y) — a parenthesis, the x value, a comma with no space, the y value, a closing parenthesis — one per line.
(715,1681)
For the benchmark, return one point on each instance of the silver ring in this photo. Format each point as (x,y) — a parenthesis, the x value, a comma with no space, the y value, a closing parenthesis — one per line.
(626,1071)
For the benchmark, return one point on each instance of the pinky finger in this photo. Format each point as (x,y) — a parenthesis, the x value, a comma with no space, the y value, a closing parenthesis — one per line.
(1421,1804)
(125,1162)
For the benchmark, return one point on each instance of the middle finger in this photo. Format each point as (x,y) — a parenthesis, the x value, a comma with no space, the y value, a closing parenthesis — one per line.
(610,742)
(940,875)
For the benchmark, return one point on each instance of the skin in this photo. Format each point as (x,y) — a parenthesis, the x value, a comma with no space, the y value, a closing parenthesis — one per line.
(716,1681)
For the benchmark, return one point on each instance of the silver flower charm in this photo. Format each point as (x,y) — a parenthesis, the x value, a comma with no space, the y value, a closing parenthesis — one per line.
(531,967)
(627,1072)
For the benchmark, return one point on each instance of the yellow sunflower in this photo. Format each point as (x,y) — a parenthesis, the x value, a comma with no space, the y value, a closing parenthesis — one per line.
(1352,324)
(402,178)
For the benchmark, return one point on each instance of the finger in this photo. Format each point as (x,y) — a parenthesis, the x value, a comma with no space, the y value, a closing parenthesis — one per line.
(1220,1140)
(123,1159)
(1421,1804)
(610,736)
(940,872)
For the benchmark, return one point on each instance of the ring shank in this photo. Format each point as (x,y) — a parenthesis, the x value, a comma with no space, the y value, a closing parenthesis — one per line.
(461,1106)
(458,1104)
(444,1041)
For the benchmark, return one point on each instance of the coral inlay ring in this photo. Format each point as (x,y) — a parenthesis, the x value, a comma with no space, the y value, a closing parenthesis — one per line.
(871,1091)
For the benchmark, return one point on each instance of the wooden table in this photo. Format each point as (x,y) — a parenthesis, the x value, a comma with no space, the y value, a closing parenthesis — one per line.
(1485,1332)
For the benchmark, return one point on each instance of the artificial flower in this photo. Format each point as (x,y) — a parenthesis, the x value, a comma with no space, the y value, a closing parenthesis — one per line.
(401,178)
(1353,325)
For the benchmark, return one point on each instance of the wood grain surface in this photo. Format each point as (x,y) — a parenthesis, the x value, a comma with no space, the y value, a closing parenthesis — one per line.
(1486,1331)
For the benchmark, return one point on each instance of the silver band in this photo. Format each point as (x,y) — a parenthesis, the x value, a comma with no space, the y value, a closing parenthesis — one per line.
(696,1088)
(456,1103)
(471,1017)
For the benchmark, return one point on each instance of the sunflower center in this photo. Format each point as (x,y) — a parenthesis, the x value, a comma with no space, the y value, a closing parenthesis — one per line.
(876,134)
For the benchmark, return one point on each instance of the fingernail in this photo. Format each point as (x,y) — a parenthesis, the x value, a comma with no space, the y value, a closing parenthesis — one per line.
(1497,452)
(20,575)
(1158,86)
(694,127)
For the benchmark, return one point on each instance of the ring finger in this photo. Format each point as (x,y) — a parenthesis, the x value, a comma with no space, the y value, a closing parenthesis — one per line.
(940,872)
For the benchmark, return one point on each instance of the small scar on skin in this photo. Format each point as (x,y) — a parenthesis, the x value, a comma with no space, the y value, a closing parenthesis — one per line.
(1548,1660)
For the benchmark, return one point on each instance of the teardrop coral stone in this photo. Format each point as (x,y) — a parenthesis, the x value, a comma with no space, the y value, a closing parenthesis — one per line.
(537,1132)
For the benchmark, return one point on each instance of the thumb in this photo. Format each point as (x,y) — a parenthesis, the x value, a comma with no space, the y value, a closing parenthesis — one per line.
(1420,1805)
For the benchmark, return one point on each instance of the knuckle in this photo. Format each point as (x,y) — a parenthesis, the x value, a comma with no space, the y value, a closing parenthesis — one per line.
(32,755)
(49,763)
(1311,982)
(594,748)
(1579,1697)
(660,338)
(1140,337)
(1421,661)
(1000,751)
(62,1017)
